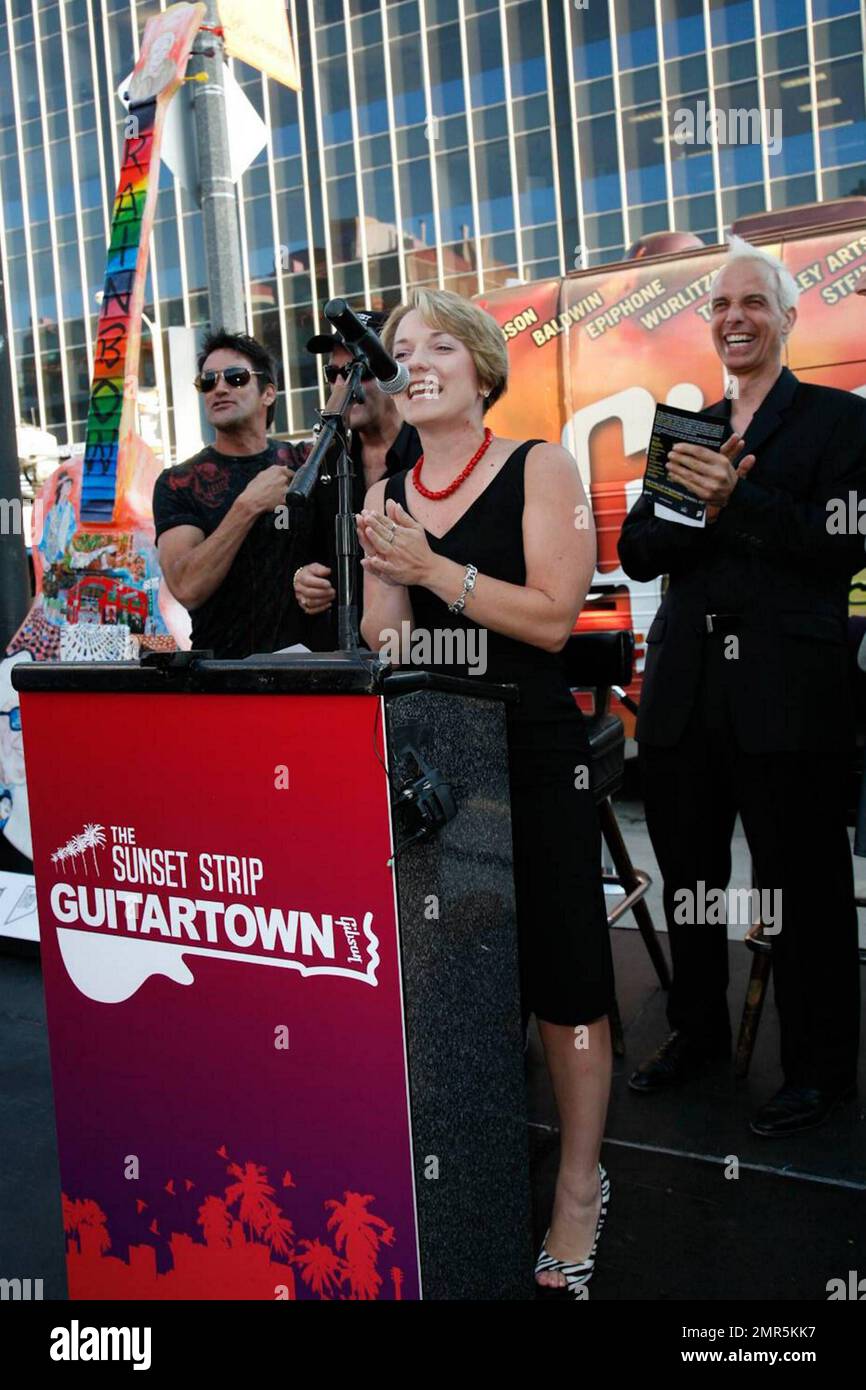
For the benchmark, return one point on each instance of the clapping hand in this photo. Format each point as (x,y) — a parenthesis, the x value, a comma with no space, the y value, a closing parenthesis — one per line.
(707,474)
(396,549)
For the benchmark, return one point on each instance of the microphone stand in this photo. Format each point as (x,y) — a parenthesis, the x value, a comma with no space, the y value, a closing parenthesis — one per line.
(333,435)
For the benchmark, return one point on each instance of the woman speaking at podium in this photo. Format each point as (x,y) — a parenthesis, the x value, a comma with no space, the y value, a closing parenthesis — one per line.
(493,534)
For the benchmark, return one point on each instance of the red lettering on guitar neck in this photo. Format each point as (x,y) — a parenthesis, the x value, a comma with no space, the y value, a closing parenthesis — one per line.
(111,344)
(138,152)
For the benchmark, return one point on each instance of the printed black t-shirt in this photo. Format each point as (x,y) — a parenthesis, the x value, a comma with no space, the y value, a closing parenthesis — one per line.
(254,609)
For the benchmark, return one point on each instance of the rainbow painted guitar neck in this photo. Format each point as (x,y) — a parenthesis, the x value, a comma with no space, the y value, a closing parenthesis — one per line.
(111,413)
(112,394)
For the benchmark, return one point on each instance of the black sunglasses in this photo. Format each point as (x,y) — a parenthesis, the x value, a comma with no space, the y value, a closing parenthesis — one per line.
(335,374)
(232,376)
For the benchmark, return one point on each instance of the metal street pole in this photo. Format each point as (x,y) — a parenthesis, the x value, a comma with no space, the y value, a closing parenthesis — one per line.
(159,369)
(218,196)
(14,575)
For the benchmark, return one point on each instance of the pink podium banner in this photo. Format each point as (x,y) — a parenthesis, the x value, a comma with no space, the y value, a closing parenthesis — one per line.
(222,976)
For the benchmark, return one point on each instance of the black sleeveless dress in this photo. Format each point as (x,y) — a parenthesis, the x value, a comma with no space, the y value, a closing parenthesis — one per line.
(566,972)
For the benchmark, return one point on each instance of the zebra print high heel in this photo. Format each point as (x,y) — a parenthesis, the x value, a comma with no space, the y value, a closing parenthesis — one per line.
(580,1273)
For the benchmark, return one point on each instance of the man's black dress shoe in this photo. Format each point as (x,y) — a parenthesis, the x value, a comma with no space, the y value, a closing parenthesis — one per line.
(794,1109)
(677,1060)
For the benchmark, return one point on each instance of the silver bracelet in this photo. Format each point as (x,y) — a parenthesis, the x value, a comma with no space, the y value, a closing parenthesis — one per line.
(468,585)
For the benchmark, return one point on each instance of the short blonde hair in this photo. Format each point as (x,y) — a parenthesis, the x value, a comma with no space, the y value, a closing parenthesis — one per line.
(477,330)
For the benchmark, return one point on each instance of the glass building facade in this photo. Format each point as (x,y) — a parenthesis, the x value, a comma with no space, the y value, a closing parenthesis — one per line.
(461,143)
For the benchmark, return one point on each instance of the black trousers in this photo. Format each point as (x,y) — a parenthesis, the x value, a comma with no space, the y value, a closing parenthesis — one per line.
(793,811)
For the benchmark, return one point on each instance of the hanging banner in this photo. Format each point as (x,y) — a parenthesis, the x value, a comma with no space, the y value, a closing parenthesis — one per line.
(223,996)
(260,36)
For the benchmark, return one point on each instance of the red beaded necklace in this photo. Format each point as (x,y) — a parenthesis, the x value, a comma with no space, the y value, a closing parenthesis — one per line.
(461,477)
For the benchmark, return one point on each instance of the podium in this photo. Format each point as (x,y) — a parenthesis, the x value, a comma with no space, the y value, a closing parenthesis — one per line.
(276,908)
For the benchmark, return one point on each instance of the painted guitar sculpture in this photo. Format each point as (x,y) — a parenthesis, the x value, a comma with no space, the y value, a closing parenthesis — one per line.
(95,563)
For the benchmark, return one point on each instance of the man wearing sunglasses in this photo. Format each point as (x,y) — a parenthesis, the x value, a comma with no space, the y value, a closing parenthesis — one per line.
(381,445)
(223,556)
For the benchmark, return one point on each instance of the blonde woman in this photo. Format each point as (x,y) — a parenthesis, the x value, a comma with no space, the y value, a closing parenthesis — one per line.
(482,533)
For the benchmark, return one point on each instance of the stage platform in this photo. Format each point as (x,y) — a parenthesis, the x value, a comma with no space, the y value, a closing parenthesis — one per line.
(678,1228)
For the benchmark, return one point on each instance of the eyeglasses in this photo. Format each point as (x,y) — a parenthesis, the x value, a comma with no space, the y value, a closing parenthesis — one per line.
(232,376)
(14,717)
(335,374)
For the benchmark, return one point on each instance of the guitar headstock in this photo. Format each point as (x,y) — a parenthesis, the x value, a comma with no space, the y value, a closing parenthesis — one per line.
(164,53)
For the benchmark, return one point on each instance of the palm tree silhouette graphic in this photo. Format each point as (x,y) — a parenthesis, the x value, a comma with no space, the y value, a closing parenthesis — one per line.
(359,1233)
(244,1234)
(252,1192)
(94,838)
(321,1268)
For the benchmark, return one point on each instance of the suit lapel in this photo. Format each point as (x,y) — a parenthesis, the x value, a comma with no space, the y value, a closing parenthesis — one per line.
(770,413)
(767,418)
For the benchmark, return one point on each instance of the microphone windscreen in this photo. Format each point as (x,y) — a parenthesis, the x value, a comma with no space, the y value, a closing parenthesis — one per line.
(397,383)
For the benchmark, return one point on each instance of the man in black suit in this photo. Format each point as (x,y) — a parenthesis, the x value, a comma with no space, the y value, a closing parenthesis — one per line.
(746,703)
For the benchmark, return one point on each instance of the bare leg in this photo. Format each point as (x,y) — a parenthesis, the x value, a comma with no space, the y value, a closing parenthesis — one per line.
(581,1083)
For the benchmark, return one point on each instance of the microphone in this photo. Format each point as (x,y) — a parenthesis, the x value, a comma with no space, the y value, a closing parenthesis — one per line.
(392,376)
